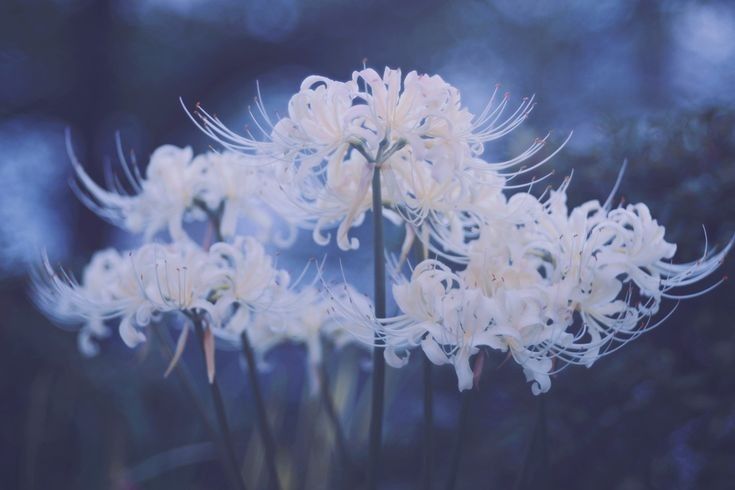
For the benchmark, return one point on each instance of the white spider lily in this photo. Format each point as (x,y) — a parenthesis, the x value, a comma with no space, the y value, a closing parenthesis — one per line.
(161,201)
(549,285)
(132,289)
(251,280)
(179,188)
(88,304)
(110,290)
(415,130)
(184,276)
(231,191)
(310,323)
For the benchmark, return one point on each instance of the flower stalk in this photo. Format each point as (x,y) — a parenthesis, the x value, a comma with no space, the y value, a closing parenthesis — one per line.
(536,461)
(219,408)
(421,252)
(348,469)
(266,434)
(428,443)
(166,347)
(464,409)
(378,387)
(477,364)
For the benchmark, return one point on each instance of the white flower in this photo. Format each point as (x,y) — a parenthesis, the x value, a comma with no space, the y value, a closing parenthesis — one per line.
(131,289)
(159,202)
(549,285)
(68,303)
(310,323)
(231,190)
(426,145)
(179,188)
(251,280)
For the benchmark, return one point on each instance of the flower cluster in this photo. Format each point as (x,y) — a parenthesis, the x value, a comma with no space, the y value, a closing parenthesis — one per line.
(427,146)
(179,187)
(138,287)
(228,282)
(513,272)
(548,285)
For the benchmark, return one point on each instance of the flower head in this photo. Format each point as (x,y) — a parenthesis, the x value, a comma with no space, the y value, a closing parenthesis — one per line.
(179,187)
(549,285)
(414,130)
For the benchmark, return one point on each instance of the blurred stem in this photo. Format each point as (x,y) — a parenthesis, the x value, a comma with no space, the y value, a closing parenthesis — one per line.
(214,216)
(536,461)
(266,434)
(219,408)
(462,429)
(38,407)
(167,350)
(378,388)
(467,395)
(339,434)
(428,446)
(421,252)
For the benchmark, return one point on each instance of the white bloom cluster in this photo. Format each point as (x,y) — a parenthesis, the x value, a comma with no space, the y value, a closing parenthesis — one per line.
(137,287)
(179,187)
(549,285)
(231,285)
(428,148)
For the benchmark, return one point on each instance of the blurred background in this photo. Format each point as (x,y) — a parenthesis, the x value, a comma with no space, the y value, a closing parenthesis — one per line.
(650,81)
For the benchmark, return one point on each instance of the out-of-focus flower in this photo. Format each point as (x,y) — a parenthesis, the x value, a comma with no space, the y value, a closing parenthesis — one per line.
(308,321)
(160,201)
(251,280)
(136,288)
(179,188)
(131,289)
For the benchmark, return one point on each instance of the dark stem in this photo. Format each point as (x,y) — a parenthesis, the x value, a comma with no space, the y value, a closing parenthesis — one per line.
(167,350)
(376,418)
(214,216)
(421,252)
(219,408)
(331,410)
(536,461)
(462,429)
(266,434)
(428,447)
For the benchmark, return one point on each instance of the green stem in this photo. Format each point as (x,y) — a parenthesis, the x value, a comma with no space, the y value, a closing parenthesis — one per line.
(219,408)
(477,363)
(266,434)
(331,410)
(428,446)
(421,252)
(462,429)
(536,461)
(214,216)
(167,350)
(378,388)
